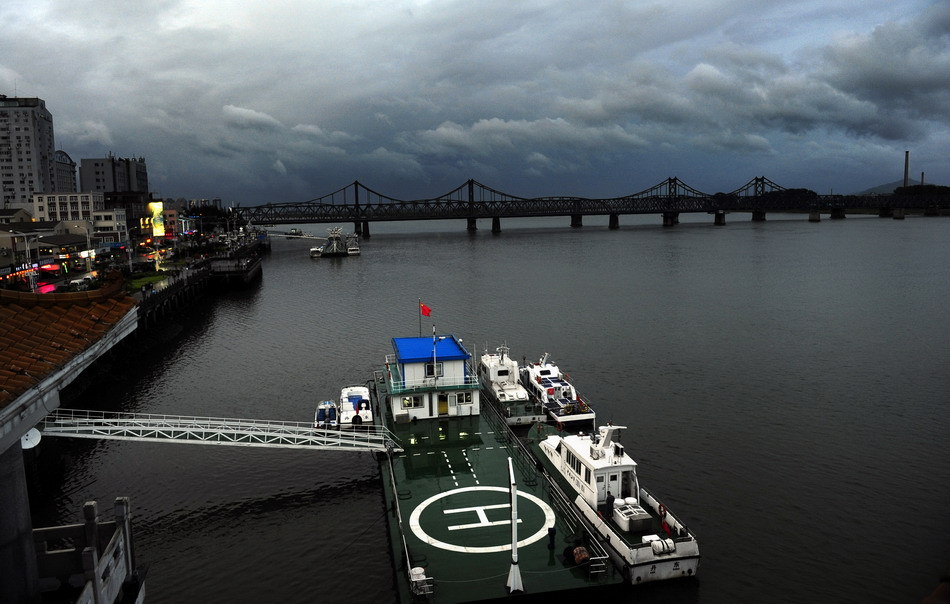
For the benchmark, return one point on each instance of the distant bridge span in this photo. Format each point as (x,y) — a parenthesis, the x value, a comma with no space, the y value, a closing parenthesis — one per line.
(472,200)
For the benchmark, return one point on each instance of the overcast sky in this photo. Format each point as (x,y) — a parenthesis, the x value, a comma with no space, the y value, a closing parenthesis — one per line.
(288,100)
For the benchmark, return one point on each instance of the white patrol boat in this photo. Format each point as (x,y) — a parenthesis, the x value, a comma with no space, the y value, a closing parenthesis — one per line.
(642,537)
(354,406)
(550,388)
(498,376)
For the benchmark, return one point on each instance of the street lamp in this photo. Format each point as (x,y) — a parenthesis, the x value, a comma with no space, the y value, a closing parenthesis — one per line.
(88,249)
(30,274)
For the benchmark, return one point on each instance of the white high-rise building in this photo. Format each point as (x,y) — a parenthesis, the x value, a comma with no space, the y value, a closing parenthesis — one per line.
(27,150)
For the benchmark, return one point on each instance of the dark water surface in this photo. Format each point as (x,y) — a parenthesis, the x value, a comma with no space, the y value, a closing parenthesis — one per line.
(785,384)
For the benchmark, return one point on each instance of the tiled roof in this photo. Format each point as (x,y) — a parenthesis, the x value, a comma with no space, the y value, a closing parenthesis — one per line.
(41,332)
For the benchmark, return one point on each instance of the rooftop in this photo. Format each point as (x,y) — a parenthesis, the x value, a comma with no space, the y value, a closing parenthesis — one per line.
(40,333)
(420,350)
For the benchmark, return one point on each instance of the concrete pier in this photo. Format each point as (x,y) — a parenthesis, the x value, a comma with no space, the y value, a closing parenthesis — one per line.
(720,219)
(614,222)
(814,216)
(758,216)
(671,218)
(17,554)
(577,220)
(471,224)
(495,225)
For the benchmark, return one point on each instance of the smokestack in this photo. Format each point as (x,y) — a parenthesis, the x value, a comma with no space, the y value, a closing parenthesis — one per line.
(906,166)
(921,179)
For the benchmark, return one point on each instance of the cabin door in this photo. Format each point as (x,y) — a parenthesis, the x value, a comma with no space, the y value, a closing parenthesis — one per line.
(613,484)
(601,488)
(443,403)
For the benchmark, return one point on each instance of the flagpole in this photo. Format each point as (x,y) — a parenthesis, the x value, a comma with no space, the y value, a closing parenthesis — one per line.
(419,311)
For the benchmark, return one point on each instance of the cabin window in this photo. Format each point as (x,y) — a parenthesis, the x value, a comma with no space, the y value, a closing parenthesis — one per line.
(412,402)
(573,462)
(464,398)
(433,370)
(587,475)
(545,372)
(502,373)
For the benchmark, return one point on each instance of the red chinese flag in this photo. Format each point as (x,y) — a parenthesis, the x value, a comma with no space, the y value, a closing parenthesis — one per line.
(425,310)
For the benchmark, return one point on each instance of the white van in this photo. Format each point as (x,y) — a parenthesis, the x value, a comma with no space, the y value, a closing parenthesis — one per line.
(83,283)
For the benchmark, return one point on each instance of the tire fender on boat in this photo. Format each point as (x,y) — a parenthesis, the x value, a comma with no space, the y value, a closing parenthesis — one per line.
(560,427)
(662,511)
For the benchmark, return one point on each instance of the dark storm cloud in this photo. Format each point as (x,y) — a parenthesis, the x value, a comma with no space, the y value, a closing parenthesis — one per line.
(292,99)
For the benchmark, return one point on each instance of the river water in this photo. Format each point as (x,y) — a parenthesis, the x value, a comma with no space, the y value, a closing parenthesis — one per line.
(785,385)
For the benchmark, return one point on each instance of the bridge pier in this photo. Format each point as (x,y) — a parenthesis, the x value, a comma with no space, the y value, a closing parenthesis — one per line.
(814,216)
(758,215)
(837,213)
(358,227)
(898,214)
(17,553)
(471,226)
(614,222)
(495,225)
(671,218)
(577,220)
(720,219)
(885,212)
(365,229)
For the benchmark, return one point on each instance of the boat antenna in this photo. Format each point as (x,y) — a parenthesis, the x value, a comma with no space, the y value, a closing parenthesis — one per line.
(514,572)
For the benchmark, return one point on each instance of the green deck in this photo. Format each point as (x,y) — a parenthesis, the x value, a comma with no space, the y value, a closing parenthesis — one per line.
(447,496)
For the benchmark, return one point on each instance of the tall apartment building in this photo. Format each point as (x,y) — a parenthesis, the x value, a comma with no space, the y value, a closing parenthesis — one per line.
(113,174)
(27,150)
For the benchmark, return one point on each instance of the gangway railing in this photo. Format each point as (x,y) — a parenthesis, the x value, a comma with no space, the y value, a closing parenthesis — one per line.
(77,423)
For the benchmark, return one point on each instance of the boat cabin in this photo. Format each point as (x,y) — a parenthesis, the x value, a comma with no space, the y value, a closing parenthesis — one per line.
(596,466)
(499,368)
(431,378)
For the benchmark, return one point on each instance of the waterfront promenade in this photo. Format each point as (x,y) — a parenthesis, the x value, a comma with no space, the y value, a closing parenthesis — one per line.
(47,340)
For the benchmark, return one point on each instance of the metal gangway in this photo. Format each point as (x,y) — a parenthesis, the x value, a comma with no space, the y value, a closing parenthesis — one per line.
(77,423)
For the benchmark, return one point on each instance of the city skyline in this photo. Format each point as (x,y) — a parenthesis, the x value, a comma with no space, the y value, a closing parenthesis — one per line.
(294,100)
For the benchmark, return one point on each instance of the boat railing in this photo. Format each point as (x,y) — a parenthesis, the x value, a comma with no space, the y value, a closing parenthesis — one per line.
(528,464)
(675,524)
(419,585)
(398,384)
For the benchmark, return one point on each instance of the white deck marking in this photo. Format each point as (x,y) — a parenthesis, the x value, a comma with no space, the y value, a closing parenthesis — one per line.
(416,526)
(482,517)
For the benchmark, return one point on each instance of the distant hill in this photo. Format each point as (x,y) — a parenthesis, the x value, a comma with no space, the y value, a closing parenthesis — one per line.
(888,188)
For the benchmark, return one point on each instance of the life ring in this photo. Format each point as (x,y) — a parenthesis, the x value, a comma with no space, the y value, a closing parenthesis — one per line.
(560,427)
(662,511)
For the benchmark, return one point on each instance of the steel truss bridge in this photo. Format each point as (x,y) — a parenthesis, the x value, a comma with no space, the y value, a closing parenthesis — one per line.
(214,431)
(472,200)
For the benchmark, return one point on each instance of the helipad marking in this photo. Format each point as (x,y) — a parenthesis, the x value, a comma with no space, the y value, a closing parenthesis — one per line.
(482,517)
(422,535)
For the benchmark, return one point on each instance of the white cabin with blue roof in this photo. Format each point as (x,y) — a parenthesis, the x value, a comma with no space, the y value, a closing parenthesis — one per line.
(431,377)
